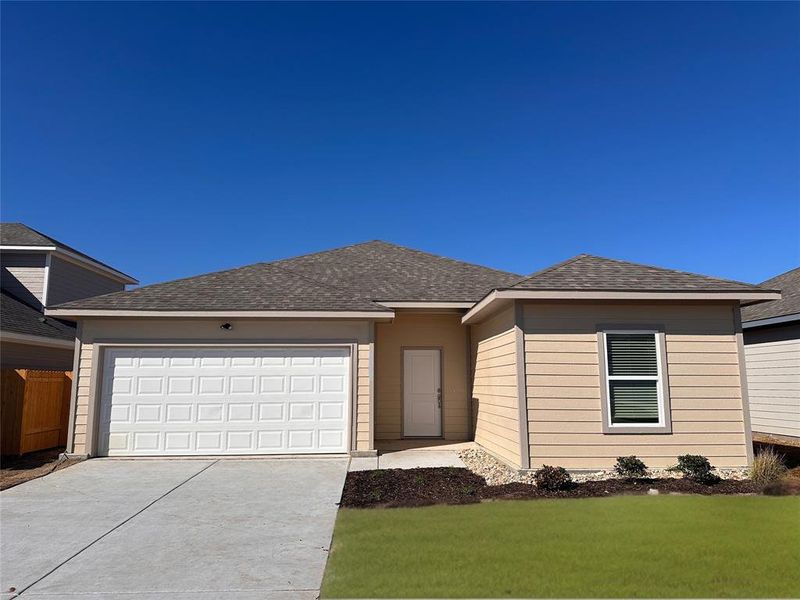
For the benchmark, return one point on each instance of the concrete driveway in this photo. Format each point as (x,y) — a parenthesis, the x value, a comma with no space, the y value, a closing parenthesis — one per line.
(171,529)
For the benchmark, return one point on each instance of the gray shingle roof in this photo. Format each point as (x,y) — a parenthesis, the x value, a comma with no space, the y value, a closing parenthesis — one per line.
(18,317)
(19,234)
(587,272)
(343,279)
(253,288)
(388,272)
(359,277)
(789,304)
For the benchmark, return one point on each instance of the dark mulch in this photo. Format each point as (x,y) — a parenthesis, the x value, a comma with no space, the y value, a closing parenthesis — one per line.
(448,485)
(411,487)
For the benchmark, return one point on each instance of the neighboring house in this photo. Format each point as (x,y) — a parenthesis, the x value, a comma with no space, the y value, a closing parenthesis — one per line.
(38,271)
(772,351)
(339,351)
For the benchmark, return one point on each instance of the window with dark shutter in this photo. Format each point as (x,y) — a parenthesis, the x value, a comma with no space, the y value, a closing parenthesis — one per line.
(633,378)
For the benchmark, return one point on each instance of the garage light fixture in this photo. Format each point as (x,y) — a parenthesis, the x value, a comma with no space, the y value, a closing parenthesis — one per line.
(226,326)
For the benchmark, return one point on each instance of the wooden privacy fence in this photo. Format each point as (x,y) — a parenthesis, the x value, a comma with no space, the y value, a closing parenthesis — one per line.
(34,410)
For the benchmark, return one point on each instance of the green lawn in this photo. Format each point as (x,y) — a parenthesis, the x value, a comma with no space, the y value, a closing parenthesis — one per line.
(667,546)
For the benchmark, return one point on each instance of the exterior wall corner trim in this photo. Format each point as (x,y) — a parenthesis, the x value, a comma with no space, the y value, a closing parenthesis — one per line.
(522,388)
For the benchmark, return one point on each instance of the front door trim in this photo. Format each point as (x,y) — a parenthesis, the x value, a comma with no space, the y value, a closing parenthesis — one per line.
(403,349)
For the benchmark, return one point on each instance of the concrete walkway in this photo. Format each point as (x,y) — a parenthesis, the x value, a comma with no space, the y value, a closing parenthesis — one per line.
(171,529)
(396,456)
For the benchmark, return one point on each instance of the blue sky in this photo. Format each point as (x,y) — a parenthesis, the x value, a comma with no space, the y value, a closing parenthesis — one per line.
(171,139)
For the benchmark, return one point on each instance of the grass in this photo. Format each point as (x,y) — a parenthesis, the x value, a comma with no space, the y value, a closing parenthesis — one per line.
(661,547)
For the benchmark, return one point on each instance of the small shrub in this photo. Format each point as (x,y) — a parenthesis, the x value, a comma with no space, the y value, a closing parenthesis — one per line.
(768,466)
(552,478)
(696,468)
(630,467)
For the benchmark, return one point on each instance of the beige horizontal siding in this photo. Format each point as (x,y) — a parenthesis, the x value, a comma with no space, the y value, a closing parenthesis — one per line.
(773,381)
(410,330)
(83,398)
(563,384)
(494,386)
(363,432)
(23,276)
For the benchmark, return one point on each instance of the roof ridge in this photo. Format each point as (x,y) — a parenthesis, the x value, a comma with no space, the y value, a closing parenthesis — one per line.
(401,247)
(550,268)
(45,236)
(307,254)
(779,275)
(447,258)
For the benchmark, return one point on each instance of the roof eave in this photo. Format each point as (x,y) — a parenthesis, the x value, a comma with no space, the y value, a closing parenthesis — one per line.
(37,340)
(434,304)
(767,321)
(83,313)
(73,257)
(488,303)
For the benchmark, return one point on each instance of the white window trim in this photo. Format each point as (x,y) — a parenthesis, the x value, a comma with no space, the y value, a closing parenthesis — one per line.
(663,424)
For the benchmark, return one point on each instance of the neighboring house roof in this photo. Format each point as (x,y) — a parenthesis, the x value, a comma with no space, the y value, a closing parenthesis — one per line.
(587,272)
(363,276)
(18,317)
(20,235)
(789,304)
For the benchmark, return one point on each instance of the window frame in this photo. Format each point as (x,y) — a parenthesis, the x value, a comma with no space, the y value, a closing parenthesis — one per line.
(664,424)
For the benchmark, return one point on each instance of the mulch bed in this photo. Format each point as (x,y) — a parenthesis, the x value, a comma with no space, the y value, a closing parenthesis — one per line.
(392,488)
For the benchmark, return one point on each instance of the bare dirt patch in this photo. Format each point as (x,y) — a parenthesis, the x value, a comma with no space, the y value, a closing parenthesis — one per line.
(448,485)
(19,469)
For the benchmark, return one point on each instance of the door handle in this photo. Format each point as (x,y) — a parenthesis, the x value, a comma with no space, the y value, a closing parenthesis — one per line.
(439,396)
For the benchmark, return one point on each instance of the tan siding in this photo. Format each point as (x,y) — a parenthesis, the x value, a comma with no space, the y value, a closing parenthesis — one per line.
(83,400)
(494,387)
(68,281)
(363,433)
(421,330)
(23,276)
(773,381)
(563,384)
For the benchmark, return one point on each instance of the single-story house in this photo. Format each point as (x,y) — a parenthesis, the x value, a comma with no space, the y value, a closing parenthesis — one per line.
(772,353)
(36,271)
(343,350)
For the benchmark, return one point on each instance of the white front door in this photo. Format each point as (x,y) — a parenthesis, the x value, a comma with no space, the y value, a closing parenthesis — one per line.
(223,400)
(422,393)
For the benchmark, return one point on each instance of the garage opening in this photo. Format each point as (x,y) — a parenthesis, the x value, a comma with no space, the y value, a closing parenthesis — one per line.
(224,401)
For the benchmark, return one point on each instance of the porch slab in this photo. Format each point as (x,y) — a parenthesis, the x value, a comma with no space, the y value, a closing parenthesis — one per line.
(412,454)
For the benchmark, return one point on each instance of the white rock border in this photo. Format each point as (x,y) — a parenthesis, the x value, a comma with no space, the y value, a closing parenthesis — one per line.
(496,472)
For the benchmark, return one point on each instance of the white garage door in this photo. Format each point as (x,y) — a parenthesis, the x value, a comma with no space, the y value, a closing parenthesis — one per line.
(179,401)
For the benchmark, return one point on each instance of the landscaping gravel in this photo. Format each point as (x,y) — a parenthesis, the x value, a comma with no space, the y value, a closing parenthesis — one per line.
(495,472)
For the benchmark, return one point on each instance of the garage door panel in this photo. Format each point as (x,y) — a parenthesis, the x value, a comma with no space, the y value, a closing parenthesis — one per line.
(224,401)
